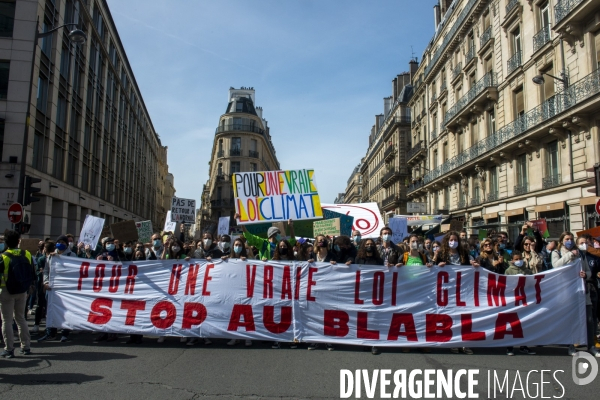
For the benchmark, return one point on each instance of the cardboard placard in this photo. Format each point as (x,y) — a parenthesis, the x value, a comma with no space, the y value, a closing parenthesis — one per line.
(456,225)
(327,227)
(183,210)
(125,231)
(346,221)
(30,245)
(144,229)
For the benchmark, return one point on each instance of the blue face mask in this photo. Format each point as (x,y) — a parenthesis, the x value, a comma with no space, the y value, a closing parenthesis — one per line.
(127,250)
(110,247)
(278,237)
(568,244)
(237,249)
(501,246)
(2,246)
(61,246)
(356,239)
(156,243)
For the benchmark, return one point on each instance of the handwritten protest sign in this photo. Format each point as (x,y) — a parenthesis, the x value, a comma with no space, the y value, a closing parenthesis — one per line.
(273,196)
(125,231)
(417,220)
(346,221)
(223,226)
(399,227)
(144,229)
(30,245)
(183,210)
(367,217)
(327,227)
(170,225)
(91,230)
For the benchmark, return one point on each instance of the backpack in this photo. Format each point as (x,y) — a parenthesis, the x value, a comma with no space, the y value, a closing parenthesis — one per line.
(20,273)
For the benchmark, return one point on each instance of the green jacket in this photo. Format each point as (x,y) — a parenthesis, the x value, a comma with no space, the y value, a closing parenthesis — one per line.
(265,249)
(514,270)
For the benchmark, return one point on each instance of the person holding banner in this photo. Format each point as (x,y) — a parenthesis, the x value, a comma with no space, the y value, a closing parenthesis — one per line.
(210,249)
(266,247)
(368,254)
(128,253)
(345,252)
(389,252)
(414,256)
(237,251)
(453,252)
(174,251)
(323,254)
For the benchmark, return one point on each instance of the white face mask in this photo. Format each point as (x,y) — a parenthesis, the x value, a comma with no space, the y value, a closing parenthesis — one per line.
(453,244)
(519,263)
(225,245)
(596,245)
(207,242)
(414,245)
(295,254)
(175,249)
(583,247)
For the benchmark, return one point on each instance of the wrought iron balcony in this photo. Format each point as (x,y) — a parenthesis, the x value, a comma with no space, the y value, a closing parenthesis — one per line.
(542,37)
(253,154)
(449,37)
(239,127)
(390,201)
(551,181)
(514,62)
(221,153)
(485,37)
(433,97)
(470,55)
(418,149)
(462,204)
(564,7)
(443,86)
(562,101)
(475,201)
(521,189)
(511,5)
(389,152)
(221,177)
(389,178)
(415,186)
(456,70)
(492,196)
(236,151)
(488,81)
(403,119)
(434,135)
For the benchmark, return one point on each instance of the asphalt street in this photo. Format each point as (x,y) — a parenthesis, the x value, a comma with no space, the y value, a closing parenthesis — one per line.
(82,369)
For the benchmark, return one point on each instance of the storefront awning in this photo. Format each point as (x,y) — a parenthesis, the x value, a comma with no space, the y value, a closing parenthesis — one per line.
(550,207)
(588,201)
(516,211)
(490,216)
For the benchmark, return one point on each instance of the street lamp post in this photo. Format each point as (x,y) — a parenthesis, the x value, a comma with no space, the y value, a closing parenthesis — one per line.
(77,36)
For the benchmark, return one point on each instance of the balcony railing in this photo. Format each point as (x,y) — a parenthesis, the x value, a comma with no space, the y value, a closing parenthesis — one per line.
(389,177)
(390,200)
(462,204)
(564,7)
(511,5)
(236,151)
(434,134)
(456,70)
(239,127)
(220,153)
(542,37)
(253,154)
(449,38)
(521,189)
(221,176)
(389,152)
(562,101)
(433,97)
(488,80)
(470,55)
(551,181)
(414,186)
(485,37)
(514,62)
(475,201)
(492,196)
(416,149)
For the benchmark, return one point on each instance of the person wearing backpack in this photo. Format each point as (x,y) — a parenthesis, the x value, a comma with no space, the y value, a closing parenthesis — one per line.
(16,281)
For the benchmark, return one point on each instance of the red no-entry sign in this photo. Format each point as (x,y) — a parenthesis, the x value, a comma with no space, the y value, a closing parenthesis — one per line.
(15,213)
(598,206)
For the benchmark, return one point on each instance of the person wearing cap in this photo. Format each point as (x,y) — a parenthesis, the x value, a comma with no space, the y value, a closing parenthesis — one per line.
(63,250)
(266,247)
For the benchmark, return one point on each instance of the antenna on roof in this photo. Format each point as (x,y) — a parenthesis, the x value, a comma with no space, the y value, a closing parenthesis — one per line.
(412,54)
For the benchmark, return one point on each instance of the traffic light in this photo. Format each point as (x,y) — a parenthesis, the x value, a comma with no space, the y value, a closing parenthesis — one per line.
(30,191)
(22,228)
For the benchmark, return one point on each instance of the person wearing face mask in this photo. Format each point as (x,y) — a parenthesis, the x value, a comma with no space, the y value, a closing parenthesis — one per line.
(322,253)
(63,250)
(344,250)
(427,249)
(174,251)
(156,249)
(266,247)
(546,254)
(414,256)
(225,244)
(238,250)
(390,253)
(210,249)
(109,252)
(502,239)
(368,254)
(356,238)
(128,253)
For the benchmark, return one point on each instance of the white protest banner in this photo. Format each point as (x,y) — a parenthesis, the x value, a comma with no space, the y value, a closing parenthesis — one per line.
(144,229)
(273,196)
(415,306)
(367,217)
(416,220)
(170,226)
(91,230)
(399,229)
(223,226)
(183,210)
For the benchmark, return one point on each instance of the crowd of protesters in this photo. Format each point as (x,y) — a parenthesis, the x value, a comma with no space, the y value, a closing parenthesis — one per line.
(527,255)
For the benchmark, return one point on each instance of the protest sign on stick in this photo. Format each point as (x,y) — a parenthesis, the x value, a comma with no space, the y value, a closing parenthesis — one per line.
(144,229)
(124,231)
(170,226)
(183,210)
(327,227)
(92,230)
(273,196)
(223,226)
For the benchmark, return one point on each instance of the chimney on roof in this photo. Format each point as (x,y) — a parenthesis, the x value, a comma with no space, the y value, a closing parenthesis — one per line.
(437,15)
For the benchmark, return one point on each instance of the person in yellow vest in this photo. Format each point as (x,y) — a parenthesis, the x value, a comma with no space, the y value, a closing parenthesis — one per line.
(16,281)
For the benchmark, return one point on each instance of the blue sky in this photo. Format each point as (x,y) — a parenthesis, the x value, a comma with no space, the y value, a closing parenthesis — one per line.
(320,68)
